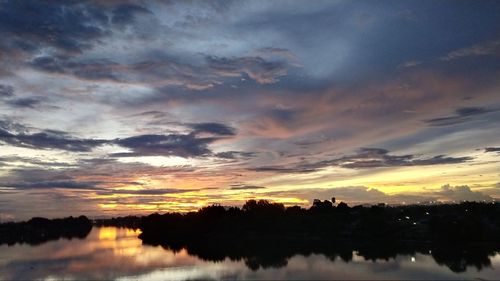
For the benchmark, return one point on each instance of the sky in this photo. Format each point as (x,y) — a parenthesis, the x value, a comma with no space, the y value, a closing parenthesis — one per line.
(132,107)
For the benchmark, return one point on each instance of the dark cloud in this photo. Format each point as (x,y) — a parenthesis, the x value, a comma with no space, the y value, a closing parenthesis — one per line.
(246,187)
(155,114)
(377,157)
(462,115)
(165,145)
(183,145)
(69,26)
(492,149)
(164,71)
(256,68)
(6,91)
(161,191)
(284,116)
(282,169)
(52,184)
(440,160)
(366,158)
(91,175)
(125,13)
(235,154)
(213,128)
(31,102)
(10,125)
(33,178)
(89,70)
(49,140)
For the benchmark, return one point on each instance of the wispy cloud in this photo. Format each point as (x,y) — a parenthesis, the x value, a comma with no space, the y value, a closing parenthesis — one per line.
(483,49)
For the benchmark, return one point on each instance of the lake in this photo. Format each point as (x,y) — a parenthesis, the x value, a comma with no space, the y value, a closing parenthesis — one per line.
(118,253)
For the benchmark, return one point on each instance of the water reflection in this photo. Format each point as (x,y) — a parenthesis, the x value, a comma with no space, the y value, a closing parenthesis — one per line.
(112,253)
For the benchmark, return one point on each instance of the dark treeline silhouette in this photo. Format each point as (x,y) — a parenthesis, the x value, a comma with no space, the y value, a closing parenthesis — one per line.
(446,223)
(40,230)
(266,234)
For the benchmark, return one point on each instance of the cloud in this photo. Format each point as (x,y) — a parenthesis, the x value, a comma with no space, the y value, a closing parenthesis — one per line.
(8,160)
(258,69)
(411,63)
(51,184)
(160,191)
(165,145)
(125,13)
(377,157)
(355,195)
(285,170)
(70,26)
(49,139)
(484,49)
(246,187)
(165,71)
(91,174)
(367,195)
(492,149)
(213,128)
(462,115)
(87,70)
(461,193)
(9,125)
(366,158)
(6,91)
(182,145)
(31,102)
(235,154)
(39,178)
(270,52)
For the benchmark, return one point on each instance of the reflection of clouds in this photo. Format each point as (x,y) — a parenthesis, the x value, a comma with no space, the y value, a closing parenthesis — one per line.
(106,253)
(113,253)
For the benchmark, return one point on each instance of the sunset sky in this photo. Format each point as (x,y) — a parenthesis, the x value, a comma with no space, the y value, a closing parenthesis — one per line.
(120,107)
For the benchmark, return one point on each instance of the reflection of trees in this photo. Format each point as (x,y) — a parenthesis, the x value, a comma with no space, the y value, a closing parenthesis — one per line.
(458,258)
(274,252)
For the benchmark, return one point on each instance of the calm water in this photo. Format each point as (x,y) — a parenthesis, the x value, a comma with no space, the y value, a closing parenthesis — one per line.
(112,253)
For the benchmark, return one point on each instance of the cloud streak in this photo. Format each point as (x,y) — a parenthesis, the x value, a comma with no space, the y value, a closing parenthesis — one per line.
(367,158)
(484,49)
(462,115)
